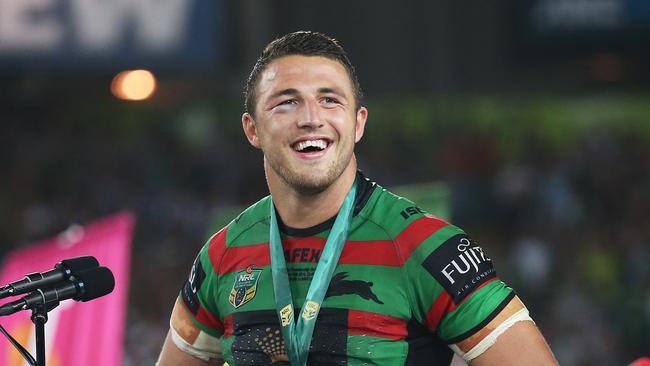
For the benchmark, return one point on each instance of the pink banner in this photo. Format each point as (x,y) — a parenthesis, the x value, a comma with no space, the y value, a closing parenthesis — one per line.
(77,333)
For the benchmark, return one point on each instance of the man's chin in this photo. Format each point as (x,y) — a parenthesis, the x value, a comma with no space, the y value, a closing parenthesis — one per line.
(310,184)
(309,180)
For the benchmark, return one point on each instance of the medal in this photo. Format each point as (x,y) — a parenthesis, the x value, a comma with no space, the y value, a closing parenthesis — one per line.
(297,333)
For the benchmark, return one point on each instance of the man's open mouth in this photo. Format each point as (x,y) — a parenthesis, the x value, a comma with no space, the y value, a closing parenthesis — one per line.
(310,145)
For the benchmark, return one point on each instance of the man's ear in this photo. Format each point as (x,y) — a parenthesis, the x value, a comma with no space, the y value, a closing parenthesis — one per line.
(250,129)
(360,127)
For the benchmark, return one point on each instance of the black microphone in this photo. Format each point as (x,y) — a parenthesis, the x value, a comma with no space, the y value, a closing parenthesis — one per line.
(83,286)
(62,271)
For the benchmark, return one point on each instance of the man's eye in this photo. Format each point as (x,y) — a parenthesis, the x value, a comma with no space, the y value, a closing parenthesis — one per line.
(287,102)
(330,100)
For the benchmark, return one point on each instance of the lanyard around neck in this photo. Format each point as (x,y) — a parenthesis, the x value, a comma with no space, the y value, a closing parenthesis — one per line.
(297,336)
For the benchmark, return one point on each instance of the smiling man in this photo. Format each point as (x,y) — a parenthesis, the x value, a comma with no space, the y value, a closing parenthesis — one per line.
(328,270)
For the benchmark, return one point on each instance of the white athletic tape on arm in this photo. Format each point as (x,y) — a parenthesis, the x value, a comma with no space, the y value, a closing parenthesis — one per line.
(205,346)
(487,342)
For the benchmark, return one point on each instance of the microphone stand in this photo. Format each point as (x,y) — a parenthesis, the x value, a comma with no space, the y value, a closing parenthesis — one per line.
(39,318)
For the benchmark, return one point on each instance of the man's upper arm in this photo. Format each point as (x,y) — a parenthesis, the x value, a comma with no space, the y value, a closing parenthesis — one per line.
(195,329)
(171,355)
(186,344)
(520,344)
(511,338)
(461,298)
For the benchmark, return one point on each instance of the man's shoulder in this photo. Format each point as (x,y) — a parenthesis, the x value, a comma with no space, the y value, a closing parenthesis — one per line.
(397,214)
(254,214)
(245,228)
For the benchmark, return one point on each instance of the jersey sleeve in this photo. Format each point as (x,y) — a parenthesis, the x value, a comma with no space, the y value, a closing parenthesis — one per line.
(199,291)
(455,288)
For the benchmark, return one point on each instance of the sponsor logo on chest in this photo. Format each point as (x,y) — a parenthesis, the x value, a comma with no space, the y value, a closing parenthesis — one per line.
(302,255)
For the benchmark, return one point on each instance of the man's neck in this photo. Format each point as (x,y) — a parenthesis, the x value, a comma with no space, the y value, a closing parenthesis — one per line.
(299,210)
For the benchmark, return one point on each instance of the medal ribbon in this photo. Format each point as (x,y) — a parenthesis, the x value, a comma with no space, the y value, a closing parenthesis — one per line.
(297,337)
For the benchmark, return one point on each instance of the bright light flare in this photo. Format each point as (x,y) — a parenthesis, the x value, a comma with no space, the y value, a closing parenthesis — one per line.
(134,85)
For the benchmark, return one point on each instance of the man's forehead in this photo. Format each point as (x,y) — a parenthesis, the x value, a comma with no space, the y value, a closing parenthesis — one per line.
(291,71)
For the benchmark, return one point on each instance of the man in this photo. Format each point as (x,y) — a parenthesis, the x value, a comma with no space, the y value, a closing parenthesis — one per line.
(331,269)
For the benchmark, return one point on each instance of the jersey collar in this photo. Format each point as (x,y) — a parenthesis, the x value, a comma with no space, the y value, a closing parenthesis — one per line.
(364,191)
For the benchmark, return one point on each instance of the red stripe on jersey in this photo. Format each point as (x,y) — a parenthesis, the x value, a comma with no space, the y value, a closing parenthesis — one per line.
(376,325)
(377,252)
(312,242)
(414,234)
(445,305)
(237,258)
(373,252)
(259,255)
(217,247)
(441,307)
(227,325)
(206,318)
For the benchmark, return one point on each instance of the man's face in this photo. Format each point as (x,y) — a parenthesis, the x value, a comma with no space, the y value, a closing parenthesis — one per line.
(306,121)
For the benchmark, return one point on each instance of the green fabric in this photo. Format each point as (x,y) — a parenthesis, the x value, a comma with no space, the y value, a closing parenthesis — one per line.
(407,292)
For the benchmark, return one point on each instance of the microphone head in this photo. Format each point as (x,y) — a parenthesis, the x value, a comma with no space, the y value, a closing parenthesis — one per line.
(74,265)
(93,283)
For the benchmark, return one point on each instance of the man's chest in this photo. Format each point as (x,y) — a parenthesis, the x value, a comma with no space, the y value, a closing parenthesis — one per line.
(365,311)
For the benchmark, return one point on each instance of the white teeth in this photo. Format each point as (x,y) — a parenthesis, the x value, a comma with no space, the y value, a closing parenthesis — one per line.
(321,144)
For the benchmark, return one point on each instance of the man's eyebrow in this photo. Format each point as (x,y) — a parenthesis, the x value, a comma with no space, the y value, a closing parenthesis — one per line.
(294,92)
(284,92)
(327,90)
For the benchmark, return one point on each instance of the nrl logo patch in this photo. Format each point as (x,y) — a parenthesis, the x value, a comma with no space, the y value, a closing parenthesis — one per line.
(245,286)
(310,310)
(287,315)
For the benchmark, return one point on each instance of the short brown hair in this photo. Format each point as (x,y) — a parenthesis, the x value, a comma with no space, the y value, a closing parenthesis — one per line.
(304,43)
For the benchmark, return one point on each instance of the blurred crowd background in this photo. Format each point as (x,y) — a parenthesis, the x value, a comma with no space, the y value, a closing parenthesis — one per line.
(535,116)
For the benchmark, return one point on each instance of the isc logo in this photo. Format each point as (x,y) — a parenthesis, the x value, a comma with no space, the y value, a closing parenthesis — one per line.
(410,211)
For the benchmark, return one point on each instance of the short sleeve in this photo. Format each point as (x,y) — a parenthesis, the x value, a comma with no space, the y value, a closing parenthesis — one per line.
(455,288)
(199,290)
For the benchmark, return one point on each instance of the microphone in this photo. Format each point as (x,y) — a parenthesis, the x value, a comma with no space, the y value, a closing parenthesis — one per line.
(62,271)
(83,286)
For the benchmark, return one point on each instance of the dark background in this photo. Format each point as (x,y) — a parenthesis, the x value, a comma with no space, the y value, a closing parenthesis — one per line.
(534,114)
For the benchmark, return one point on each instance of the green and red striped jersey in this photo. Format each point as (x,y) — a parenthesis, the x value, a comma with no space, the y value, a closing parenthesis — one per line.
(406,286)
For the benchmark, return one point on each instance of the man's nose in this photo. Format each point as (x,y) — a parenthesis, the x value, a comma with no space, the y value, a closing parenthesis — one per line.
(310,116)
